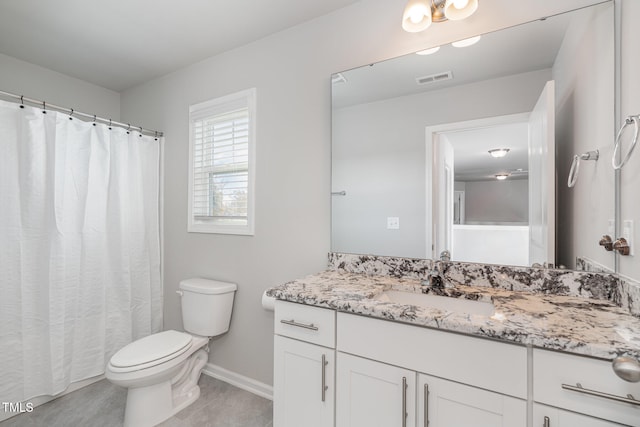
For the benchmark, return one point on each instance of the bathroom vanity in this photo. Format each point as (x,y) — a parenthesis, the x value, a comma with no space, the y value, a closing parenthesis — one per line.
(350,351)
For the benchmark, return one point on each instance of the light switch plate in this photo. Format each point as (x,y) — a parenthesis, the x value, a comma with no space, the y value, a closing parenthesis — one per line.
(393,223)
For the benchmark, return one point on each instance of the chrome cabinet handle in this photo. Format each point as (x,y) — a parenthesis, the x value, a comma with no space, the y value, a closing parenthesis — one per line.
(292,322)
(547,422)
(426,405)
(578,388)
(404,401)
(324,377)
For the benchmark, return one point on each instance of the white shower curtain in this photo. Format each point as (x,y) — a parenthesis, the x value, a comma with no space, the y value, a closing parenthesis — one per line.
(79,248)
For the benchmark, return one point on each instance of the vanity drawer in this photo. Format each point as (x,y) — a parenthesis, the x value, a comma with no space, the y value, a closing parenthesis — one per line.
(465,359)
(553,369)
(306,323)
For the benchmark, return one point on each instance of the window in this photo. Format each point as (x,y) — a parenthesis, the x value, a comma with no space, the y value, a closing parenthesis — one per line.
(221,156)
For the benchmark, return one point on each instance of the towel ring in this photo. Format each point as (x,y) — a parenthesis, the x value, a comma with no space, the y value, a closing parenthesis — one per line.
(627,122)
(575,165)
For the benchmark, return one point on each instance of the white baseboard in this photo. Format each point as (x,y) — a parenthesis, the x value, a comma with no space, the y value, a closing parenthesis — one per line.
(240,381)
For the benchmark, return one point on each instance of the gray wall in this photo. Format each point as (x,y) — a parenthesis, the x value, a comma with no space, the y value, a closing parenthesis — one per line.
(32,81)
(291,72)
(497,202)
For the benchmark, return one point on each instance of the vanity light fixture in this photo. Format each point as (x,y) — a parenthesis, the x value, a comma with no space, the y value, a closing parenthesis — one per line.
(466,42)
(502,176)
(498,152)
(419,14)
(428,51)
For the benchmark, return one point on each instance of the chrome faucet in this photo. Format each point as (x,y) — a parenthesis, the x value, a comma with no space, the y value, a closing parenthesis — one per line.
(434,279)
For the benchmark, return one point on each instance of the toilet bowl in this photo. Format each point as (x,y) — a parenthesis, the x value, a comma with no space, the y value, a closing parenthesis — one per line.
(161,371)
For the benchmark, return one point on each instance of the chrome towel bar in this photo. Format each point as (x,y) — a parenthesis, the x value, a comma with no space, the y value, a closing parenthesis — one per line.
(635,120)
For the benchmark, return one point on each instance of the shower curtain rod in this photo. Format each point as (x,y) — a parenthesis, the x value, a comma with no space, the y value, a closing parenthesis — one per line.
(73,112)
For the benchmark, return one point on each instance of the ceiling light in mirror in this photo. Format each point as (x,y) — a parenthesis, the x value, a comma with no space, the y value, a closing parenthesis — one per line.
(502,176)
(428,51)
(499,152)
(466,42)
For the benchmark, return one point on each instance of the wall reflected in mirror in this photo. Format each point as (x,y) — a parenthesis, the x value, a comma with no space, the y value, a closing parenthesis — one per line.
(411,138)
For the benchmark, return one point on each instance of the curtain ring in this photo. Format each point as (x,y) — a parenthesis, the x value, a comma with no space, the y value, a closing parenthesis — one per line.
(71,114)
(128,127)
(156,133)
(21,101)
(44,107)
(94,119)
(627,122)
(109,124)
(140,131)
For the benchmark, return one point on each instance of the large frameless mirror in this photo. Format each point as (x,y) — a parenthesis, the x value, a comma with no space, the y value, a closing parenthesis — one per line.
(468,149)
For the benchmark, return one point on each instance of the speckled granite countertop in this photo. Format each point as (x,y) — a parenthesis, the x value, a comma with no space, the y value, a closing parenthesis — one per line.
(585,326)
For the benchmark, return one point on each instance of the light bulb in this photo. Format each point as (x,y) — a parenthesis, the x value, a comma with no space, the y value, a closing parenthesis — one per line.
(460,9)
(460,4)
(416,16)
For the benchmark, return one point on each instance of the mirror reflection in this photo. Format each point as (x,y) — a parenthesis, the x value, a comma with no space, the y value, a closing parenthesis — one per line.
(466,149)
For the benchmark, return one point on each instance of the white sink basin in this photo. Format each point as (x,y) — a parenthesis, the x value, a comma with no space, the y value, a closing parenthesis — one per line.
(457,305)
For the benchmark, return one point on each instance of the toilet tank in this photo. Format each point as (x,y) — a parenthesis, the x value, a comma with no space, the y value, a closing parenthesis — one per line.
(206,306)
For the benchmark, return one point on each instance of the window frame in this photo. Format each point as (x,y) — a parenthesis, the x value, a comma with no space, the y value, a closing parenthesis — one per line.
(213,107)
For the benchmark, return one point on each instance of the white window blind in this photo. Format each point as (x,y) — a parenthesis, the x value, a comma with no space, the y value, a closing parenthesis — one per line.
(221,165)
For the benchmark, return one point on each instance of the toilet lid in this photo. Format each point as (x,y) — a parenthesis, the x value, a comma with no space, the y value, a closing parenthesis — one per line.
(157,347)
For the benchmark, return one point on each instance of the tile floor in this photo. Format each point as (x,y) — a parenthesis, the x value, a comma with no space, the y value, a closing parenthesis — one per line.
(102,405)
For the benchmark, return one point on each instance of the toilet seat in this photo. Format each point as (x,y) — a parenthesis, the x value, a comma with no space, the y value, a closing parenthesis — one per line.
(150,351)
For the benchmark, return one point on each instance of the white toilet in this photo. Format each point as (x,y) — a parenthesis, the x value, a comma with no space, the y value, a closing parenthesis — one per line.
(162,370)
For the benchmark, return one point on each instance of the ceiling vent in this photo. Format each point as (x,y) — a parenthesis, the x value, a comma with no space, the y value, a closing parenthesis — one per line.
(434,78)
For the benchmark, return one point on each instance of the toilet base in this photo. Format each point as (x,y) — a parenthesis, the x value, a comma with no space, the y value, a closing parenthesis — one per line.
(150,405)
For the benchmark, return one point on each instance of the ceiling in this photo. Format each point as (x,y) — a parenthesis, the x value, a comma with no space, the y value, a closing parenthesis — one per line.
(471,158)
(118,44)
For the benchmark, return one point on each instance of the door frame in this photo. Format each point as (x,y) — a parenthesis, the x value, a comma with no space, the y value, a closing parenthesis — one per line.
(432,136)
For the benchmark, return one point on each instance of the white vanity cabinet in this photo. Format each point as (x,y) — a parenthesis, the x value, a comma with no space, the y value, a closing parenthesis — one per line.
(304,366)
(444,403)
(371,393)
(566,384)
(471,381)
(346,370)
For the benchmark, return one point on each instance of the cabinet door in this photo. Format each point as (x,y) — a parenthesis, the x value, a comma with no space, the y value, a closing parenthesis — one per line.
(443,403)
(547,416)
(299,375)
(373,394)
